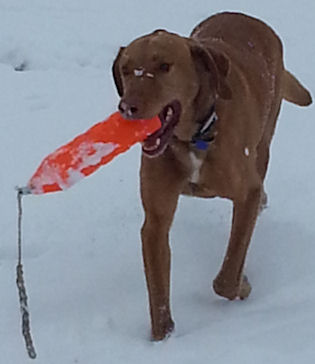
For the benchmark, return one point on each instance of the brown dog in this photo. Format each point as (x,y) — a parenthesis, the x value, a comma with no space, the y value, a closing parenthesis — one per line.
(218,94)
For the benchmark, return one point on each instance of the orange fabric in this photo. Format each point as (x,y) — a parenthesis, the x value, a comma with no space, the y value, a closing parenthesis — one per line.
(87,152)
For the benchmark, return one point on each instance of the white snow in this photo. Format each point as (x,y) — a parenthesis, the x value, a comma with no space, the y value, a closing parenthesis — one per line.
(138,72)
(150,75)
(50,174)
(74,176)
(82,251)
(101,151)
(85,155)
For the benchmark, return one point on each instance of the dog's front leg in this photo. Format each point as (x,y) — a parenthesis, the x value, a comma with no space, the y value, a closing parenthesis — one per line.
(230,282)
(160,189)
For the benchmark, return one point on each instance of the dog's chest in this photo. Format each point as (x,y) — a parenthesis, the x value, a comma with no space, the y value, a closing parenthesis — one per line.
(196,165)
(206,176)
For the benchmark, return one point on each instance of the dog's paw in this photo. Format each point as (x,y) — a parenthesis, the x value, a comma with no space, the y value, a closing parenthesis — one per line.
(163,332)
(232,290)
(245,288)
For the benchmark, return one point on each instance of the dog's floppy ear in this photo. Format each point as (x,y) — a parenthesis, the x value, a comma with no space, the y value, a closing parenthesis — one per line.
(223,66)
(116,72)
(216,64)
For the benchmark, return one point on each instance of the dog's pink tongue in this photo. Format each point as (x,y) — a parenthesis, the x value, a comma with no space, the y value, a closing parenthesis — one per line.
(151,143)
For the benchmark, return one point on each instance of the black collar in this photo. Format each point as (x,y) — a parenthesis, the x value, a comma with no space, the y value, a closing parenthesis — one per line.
(204,136)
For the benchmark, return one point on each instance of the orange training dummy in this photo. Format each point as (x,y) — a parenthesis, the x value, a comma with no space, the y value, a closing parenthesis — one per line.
(69,164)
(87,152)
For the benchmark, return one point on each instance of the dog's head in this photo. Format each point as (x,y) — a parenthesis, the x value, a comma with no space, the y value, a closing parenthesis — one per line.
(170,76)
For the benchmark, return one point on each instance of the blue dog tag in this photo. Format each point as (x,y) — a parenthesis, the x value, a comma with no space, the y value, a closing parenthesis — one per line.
(201,144)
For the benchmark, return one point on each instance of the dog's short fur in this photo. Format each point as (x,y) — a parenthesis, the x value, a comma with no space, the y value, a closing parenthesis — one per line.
(232,64)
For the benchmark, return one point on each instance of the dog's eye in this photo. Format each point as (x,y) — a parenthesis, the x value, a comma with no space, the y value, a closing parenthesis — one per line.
(165,67)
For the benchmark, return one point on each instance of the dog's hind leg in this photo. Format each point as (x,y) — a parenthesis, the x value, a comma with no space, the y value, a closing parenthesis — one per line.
(230,282)
(263,148)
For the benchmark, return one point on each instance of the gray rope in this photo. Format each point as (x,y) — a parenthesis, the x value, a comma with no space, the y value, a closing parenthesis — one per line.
(26,329)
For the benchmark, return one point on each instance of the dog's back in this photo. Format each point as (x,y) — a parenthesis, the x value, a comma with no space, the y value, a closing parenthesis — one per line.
(251,38)
(240,31)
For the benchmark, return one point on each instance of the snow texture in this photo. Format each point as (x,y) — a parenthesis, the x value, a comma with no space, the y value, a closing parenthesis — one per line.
(138,72)
(87,154)
(82,251)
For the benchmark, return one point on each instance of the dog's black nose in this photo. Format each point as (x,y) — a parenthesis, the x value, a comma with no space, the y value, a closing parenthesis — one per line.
(127,111)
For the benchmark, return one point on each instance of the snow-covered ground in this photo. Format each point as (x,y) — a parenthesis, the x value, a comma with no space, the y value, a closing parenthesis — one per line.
(82,248)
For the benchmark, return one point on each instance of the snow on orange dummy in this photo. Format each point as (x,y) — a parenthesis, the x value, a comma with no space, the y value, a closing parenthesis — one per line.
(87,152)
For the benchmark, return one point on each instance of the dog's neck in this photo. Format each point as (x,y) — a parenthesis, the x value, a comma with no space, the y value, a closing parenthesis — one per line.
(205,134)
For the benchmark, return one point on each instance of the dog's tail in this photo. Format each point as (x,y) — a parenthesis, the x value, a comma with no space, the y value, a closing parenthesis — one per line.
(294,92)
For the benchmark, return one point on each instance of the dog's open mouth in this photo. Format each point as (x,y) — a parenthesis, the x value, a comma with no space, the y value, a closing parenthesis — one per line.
(156,143)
